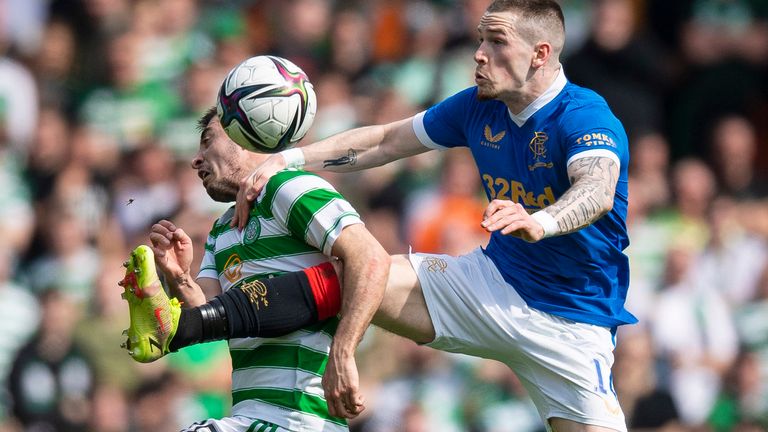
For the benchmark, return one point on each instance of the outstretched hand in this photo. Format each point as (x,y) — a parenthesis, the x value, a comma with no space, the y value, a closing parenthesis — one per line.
(251,186)
(512,219)
(341,384)
(172,248)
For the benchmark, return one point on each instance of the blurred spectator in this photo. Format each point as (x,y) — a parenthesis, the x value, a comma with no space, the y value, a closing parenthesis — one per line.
(495,400)
(306,44)
(733,260)
(147,192)
(743,400)
(733,153)
(624,65)
(417,78)
(170,42)
(350,53)
(199,90)
(49,153)
(52,380)
(110,410)
(53,65)
(69,263)
(95,23)
(130,110)
(428,384)
(152,405)
(19,315)
(723,41)
(693,189)
(17,220)
(18,104)
(694,333)
(641,394)
(751,323)
(649,167)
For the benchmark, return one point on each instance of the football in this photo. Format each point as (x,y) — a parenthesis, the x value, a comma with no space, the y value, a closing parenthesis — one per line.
(266,104)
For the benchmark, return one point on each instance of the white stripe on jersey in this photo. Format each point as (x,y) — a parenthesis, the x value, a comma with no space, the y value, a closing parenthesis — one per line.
(272,377)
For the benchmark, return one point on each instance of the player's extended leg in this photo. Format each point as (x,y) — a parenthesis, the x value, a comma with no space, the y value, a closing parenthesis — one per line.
(403,310)
(256,308)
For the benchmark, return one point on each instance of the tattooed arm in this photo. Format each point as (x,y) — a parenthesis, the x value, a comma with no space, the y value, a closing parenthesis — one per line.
(363,147)
(352,150)
(593,184)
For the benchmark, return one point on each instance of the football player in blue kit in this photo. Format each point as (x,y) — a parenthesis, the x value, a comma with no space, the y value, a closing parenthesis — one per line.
(547,293)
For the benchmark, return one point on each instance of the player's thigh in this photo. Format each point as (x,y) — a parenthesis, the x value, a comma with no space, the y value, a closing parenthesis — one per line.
(565,425)
(234,424)
(403,310)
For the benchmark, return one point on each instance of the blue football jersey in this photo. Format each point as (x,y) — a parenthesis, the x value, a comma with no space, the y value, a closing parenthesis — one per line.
(581,276)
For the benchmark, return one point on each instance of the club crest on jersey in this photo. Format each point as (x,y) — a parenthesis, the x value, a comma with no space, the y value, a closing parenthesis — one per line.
(539,149)
(492,140)
(252,231)
(233,268)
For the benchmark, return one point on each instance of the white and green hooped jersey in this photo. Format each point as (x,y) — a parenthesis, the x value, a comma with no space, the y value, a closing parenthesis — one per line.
(293,225)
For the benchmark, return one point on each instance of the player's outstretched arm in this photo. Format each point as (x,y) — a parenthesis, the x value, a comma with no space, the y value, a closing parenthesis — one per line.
(353,150)
(593,185)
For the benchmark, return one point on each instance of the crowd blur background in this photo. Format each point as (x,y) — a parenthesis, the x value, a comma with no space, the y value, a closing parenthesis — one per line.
(98,102)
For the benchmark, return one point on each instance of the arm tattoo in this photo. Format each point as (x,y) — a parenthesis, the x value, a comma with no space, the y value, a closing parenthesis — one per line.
(349,159)
(593,185)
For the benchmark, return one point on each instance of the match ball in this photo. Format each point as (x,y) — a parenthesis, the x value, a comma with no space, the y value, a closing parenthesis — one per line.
(266,104)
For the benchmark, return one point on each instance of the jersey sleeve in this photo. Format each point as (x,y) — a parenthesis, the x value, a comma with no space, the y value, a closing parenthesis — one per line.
(443,125)
(310,208)
(208,264)
(593,130)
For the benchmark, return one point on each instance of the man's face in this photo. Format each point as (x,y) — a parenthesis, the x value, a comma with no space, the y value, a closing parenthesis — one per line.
(503,57)
(219,162)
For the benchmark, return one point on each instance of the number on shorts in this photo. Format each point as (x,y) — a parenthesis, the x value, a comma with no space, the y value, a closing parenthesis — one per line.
(601,379)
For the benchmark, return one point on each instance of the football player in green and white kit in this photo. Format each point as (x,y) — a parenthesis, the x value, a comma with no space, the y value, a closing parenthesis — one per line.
(299,222)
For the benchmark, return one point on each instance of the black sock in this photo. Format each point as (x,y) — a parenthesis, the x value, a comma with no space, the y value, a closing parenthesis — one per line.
(257,308)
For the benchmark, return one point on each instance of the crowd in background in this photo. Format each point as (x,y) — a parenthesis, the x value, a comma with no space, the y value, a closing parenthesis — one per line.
(98,102)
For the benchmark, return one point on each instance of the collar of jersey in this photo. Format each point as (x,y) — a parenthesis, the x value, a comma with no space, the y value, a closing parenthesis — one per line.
(543,99)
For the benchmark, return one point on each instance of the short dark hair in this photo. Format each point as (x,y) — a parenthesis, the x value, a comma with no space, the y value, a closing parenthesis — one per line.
(540,15)
(202,123)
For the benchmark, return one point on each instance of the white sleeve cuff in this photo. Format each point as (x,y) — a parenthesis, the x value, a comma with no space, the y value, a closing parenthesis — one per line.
(421,133)
(547,222)
(595,153)
(294,158)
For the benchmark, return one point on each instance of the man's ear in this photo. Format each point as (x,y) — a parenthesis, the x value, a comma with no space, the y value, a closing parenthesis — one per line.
(542,52)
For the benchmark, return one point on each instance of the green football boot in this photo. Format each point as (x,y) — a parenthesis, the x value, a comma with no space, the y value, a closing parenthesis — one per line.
(154,319)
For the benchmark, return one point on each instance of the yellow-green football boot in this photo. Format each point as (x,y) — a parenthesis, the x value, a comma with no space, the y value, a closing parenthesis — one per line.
(154,319)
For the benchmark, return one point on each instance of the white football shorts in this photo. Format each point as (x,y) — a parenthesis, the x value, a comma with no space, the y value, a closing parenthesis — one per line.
(564,365)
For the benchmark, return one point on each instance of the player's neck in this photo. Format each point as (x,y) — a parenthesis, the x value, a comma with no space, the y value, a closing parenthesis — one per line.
(540,81)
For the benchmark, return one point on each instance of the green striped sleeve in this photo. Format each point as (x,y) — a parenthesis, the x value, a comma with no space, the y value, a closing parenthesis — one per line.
(306,206)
